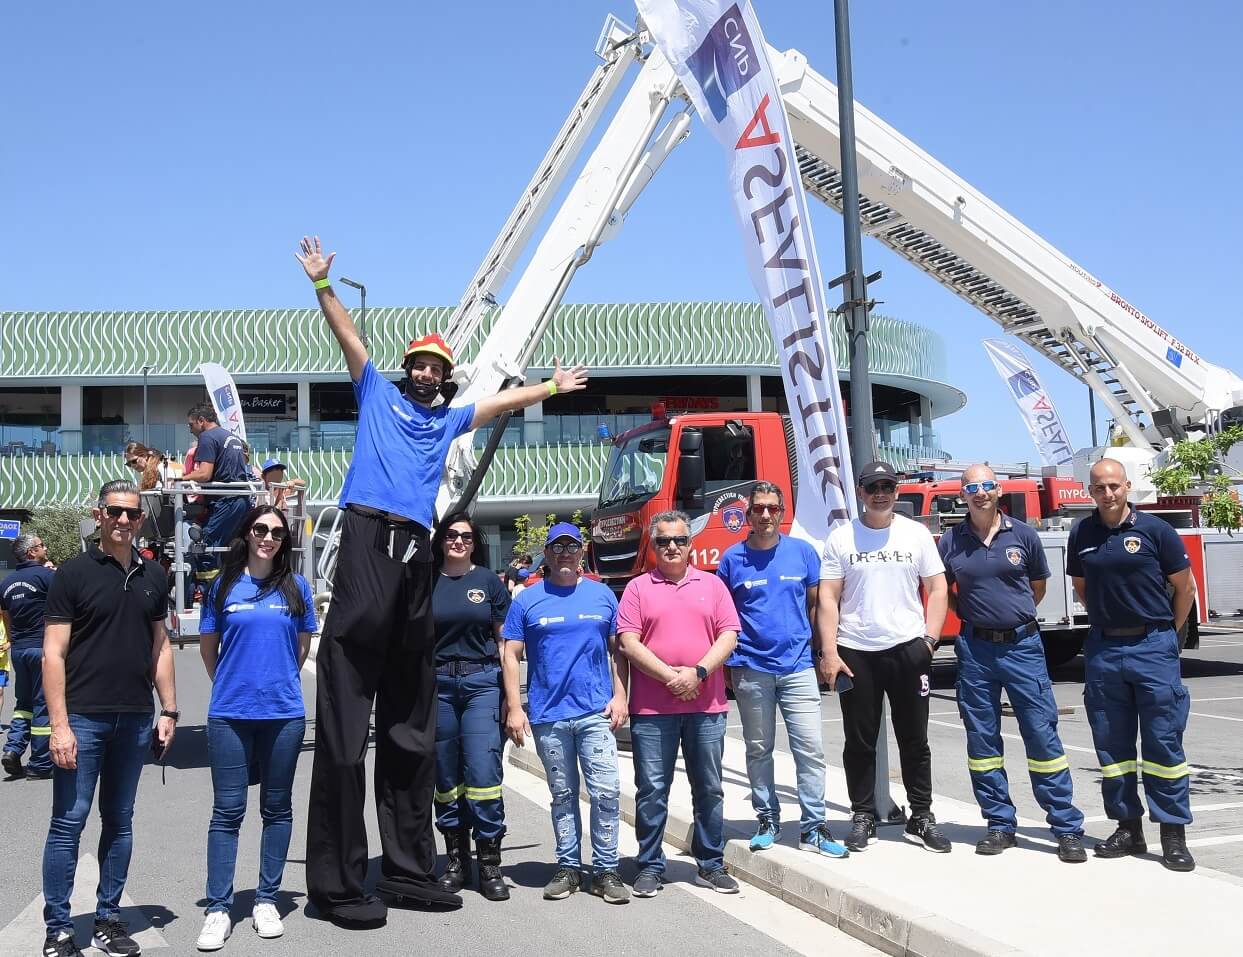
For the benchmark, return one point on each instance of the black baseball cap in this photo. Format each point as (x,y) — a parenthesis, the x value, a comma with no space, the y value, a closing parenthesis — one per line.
(877,470)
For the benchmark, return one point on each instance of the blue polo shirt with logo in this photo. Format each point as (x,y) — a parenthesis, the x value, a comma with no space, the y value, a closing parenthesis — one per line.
(400,449)
(994,580)
(23,594)
(769,588)
(1125,568)
(566,631)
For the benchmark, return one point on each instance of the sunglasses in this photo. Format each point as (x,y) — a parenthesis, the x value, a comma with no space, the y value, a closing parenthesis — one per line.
(261,531)
(468,538)
(766,509)
(566,548)
(975,488)
(664,541)
(132,463)
(880,488)
(116,511)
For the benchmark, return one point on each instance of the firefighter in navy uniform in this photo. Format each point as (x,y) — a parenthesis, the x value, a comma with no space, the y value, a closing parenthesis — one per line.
(1120,561)
(1000,571)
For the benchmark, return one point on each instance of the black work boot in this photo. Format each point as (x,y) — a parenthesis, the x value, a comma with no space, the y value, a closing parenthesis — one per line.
(1128,839)
(1174,853)
(491,883)
(995,842)
(457,867)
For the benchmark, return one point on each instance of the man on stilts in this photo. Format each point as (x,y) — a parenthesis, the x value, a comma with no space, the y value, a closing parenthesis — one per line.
(378,642)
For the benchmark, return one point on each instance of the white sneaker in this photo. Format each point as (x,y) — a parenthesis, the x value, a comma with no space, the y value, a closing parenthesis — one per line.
(216,930)
(267,921)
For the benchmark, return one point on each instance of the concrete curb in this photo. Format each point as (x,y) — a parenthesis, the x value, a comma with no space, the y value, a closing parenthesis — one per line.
(894,926)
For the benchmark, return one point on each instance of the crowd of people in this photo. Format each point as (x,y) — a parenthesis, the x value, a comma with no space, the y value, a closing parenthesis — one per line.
(424,635)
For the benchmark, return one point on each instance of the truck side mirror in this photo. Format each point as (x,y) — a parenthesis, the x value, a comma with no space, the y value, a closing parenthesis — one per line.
(691,474)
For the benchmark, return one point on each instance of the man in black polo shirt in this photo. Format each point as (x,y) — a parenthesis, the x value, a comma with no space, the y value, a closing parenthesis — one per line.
(104,648)
(219,457)
(22,597)
(999,569)
(1120,561)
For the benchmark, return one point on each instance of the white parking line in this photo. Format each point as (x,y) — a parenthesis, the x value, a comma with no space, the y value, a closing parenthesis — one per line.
(1219,717)
(1233,698)
(1211,841)
(1015,737)
(1195,809)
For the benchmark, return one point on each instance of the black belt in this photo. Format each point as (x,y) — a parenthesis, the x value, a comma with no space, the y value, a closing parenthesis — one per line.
(1135,631)
(367,511)
(458,669)
(1004,635)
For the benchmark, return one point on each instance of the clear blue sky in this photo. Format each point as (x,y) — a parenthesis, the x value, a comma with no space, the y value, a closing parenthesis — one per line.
(167,155)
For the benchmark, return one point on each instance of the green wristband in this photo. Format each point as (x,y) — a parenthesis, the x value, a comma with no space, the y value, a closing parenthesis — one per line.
(323,283)
(552,387)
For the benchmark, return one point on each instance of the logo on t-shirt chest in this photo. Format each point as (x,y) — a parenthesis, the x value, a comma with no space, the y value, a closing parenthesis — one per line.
(475,596)
(1132,543)
(1014,555)
(883,556)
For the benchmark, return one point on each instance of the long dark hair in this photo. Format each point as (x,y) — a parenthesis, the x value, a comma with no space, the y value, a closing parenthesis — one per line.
(478,555)
(282,579)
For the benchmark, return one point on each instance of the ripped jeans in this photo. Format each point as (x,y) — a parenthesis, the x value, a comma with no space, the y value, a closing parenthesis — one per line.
(564,746)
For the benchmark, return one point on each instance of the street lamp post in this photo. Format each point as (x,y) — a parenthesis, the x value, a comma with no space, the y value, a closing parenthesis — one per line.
(146,433)
(362,319)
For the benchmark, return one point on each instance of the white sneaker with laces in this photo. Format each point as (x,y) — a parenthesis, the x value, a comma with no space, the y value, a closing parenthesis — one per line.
(216,930)
(267,921)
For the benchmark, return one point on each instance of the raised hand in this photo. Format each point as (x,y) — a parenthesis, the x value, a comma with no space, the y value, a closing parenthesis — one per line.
(316,264)
(569,380)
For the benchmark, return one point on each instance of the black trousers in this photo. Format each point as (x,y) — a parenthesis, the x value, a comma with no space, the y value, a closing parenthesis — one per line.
(378,644)
(902,673)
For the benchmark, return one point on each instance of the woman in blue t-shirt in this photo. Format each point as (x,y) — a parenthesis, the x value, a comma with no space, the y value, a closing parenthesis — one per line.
(254,636)
(469,602)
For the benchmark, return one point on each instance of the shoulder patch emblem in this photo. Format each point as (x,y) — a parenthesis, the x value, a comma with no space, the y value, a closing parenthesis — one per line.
(1015,555)
(476,596)
(1131,543)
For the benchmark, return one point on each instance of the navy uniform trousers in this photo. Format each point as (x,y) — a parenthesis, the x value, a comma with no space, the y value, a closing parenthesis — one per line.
(1134,684)
(984,669)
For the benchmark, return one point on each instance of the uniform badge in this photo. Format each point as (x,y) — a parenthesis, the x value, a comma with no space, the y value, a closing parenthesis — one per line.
(1015,555)
(476,596)
(1131,543)
(733,517)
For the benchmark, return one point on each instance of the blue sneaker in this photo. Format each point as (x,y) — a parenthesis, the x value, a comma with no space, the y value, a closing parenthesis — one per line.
(819,841)
(765,835)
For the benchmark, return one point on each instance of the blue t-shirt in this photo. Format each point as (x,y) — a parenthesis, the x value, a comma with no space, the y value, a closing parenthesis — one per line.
(566,631)
(224,450)
(994,580)
(769,588)
(1125,568)
(257,671)
(23,595)
(400,449)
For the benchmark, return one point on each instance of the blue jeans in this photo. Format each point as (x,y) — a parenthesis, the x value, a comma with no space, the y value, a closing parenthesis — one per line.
(112,749)
(563,746)
(220,528)
(29,709)
(798,696)
(468,753)
(232,743)
(655,739)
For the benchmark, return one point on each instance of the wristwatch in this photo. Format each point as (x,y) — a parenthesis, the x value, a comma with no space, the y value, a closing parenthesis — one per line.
(175,715)
(702,672)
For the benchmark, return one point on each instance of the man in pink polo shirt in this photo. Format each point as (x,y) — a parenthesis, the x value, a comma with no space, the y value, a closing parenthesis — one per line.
(678,625)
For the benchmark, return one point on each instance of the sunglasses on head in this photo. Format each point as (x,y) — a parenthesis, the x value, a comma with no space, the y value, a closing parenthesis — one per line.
(566,548)
(664,541)
(116,511)
(261,531)
(766,509)
(974,488)
(880,488)
(467,537)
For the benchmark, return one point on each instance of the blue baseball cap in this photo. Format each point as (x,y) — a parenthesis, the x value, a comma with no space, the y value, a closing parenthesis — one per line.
(272,464)
(565,530)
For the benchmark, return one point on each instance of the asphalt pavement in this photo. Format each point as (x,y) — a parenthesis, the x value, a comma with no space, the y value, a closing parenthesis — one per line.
(164,902)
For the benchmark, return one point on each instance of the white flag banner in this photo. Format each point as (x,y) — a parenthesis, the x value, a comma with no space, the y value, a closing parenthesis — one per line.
(1034,403)
(718,52)
(224,398)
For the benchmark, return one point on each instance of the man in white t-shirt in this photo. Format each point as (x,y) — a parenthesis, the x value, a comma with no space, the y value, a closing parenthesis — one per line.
(874,629)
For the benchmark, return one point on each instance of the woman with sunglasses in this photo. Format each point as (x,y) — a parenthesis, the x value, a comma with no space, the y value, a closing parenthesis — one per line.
(469,603)
(256,631)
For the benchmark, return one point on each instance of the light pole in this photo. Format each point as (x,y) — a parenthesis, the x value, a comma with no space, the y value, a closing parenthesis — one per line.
(146,435)
(362,319)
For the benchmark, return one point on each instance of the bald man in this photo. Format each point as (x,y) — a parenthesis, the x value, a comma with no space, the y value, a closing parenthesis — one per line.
(1121,562)
(998,569)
